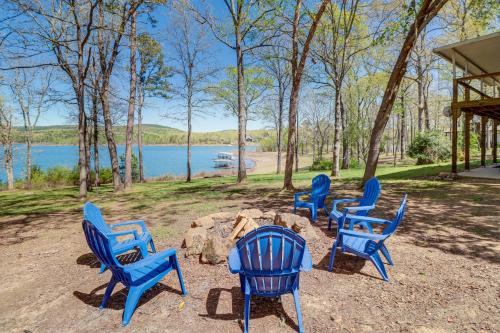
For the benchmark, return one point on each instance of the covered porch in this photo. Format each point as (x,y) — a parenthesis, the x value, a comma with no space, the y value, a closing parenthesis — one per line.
(476,95)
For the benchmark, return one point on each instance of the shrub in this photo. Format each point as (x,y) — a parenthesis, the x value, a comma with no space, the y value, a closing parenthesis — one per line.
(429,147)
(58,176)
(319,165)
(135,167)
(37,176)
(105,176)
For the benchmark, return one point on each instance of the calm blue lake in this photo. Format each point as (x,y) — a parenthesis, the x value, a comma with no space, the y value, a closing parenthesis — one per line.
(158,160)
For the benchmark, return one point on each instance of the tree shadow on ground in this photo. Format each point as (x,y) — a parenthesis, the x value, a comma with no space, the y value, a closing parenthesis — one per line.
(260,307)
(118,299)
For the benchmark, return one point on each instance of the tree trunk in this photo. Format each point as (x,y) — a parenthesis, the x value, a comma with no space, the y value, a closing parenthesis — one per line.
(428,10)
(280,129)
(290,149)
(336,136)
(108,131)
(28,157)
(403,128)
(139,133)
(131,103)
(242,112)
(8,159)
(189,116)
(87,154)
(297,143)
(82,163)
(345,136)
(96,138)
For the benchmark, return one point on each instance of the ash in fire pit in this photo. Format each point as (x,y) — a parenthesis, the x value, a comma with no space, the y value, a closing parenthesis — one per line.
(213,235)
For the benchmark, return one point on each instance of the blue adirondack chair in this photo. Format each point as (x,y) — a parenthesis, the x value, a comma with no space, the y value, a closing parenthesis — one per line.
(138,276)
(371,193)
(368,244)
(320,190)
(268,260)
(93,214)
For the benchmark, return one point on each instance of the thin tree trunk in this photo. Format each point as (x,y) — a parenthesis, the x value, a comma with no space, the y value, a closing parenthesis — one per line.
(108,131)
(139,133)
(189,116)
(28,157)
(297,144)
(403,127)
(428,10)
(336,136)
(280,129)
(96,138)
(82,161)
(131,102)
(345,136)
(242,112)
(87,153)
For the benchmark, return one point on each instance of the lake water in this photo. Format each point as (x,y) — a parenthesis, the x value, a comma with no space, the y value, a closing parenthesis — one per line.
(158,160)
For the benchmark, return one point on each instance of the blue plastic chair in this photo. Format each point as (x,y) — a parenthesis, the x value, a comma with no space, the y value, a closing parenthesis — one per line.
(269,260)
(368,244)
(93,214)
(138,276)
(371,193)
(320,190)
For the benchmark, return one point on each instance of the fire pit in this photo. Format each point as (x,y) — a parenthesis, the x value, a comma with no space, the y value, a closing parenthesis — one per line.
(211,236)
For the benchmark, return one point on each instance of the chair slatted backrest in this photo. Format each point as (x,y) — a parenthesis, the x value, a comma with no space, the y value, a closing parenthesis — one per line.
(270,258)
(100,245)
(93,214)
(371,193)
(320,187)
(391,228)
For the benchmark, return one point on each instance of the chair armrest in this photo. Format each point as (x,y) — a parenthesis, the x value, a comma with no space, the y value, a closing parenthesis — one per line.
(374,237)
(152,257)
(368,219)
(358,208)
(136,222)
(298,194)
(125,233)
(336,202)
(306,264)
(234,261)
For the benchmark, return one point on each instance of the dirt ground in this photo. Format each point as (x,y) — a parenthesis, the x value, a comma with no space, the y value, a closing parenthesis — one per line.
(445,279)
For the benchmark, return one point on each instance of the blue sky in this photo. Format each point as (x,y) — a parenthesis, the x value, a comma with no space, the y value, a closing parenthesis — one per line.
(212,118)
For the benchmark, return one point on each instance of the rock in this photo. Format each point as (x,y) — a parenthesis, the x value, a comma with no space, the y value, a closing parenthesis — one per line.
(222,216)
(308,233)
(270,215)
(194,241)
(249,226)
(251,213)
(288,220)
(206,222)
(215,250)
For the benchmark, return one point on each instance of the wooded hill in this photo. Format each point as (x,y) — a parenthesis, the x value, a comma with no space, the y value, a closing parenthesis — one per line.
(152,134)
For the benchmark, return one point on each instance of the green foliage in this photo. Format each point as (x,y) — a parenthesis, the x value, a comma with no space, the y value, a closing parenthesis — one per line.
(320,165)
(429,147)
(105,176)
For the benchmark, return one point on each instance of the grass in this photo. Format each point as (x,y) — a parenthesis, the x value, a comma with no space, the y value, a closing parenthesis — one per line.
(202,195)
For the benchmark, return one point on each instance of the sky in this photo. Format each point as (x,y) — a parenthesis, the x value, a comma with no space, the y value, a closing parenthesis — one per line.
(211,118)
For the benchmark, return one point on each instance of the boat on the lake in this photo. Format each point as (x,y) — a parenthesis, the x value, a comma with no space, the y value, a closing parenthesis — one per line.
(225,160)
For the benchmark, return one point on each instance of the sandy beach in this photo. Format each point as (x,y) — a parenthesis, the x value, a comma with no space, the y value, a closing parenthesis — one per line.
(266,161)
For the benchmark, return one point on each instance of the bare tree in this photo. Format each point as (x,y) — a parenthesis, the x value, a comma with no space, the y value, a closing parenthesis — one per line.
(247,18)
(277,65)
(153,81)
(298,63)
(6,141)
(427,11)
(192,65)
(30,90)
(111,29)
(63,28)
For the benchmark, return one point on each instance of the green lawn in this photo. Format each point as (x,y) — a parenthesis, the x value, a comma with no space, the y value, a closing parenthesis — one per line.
(203,194)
